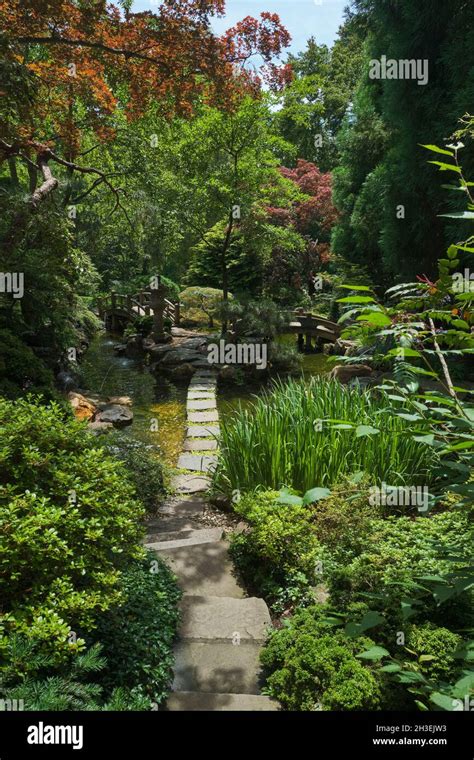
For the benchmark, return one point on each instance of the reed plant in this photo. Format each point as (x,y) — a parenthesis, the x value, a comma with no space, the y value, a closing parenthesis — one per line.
(303,435)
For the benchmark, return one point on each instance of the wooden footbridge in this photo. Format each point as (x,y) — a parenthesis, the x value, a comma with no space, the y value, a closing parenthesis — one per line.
(308,326)
(117,310)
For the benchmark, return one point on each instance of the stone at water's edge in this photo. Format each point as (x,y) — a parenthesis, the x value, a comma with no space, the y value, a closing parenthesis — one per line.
(82,407)
(117,414)
(346,372)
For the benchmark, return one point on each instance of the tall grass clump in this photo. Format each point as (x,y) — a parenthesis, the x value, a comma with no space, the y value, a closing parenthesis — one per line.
(294,435)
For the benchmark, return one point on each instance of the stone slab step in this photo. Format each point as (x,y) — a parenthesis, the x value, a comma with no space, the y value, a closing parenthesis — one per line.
(195,395)
(193,538)
(222,618)
(206,373)
(190,483)
(203,569)
(201,404)
(180,506)
(203,386)
(217,667)
(198,701)
(203,431)
(203,445)
(197,463)
(203,416)
(170,525)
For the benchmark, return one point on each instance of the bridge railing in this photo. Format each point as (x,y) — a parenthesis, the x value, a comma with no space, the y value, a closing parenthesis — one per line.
(132,306)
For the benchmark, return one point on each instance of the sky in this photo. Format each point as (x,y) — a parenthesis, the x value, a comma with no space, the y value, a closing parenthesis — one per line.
(302,18)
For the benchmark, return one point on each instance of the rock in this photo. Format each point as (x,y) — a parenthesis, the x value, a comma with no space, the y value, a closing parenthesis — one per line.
(99,427)
(120,348)
(182,372)
(158,351)
(344,347)
(182,355)
(122,400)
(347,372)
(117,414)
(82,407)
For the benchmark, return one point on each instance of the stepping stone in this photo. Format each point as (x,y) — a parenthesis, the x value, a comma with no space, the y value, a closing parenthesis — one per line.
(196,701)
(170,525)
(190,483)
(205,373)
(196,537)
(203,569)
(192,395)
(217,667)
(221,618)
(179,507)
(203,416)
(203,431)
(196,404)
(204,445)
(197,463)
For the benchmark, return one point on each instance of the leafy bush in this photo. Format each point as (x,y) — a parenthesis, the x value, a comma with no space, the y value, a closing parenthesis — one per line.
(288,437)
(144,470)
(309,665)
(277,557)
(20,369)
(138,635)
(400,551)
(69,525)
(434,650)
(201,304)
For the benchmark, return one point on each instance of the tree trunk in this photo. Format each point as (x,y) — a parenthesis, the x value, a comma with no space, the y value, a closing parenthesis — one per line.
(225,274)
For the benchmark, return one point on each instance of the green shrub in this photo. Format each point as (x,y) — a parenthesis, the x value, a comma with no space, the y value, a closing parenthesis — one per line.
(434,650)
(309,665)
(399,550)
(278,556)
(20,369)
(137,636)
(278,441)
(144,470)
(201,304)
(69,520)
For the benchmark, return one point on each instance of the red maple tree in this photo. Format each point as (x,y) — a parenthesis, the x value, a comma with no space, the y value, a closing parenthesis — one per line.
(71,63)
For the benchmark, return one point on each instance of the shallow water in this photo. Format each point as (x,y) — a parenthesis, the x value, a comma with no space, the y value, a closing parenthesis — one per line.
(106,374)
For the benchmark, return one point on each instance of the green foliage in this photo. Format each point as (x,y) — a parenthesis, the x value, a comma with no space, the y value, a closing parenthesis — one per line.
(144,470)
(137,636)
(434,650)
(201,303)
(306,435)
(20,370)
(310,666)
(277,556)
(70,524)
(399,553)
(379,149)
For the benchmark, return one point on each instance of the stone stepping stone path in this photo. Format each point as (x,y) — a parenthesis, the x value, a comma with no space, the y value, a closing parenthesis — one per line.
(222,631)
